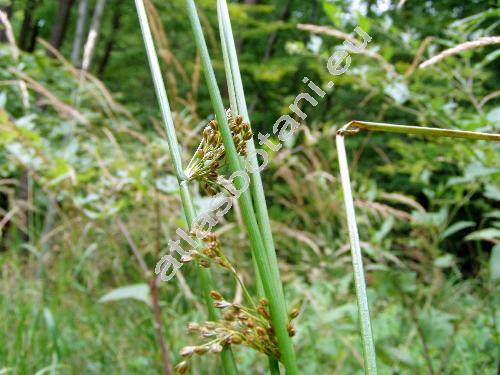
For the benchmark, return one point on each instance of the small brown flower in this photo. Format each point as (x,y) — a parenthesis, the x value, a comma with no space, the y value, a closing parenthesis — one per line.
(294,313)
(182,367)
(187,351)
(216,348)
(216,295)
(236,340)
(193,327)
(200,350)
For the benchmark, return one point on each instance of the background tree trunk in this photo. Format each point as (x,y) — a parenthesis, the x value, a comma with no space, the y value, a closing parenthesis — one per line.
(58,31)
(111,39)
(30,47)
(95,26)
(27,25)
(79,32)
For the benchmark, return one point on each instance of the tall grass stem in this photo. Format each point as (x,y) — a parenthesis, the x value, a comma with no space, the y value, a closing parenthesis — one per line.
(359,279)
(357,263)
(239,106)
(204,275)
(268,270)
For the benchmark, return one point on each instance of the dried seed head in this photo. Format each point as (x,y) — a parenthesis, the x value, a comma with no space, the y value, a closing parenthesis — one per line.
(291,329)
(216,295)
(263,302)
(294,313)
(250,323)
(210,325)
(182,367)
(216,348)
(236,340)
(261,331)
(187,351)
(270,330)
(193,327)
(238,120)
(205,263)
(186,259)
(207,333)
(263,311)
(229,316)
(210,237)
(221,304)
(209,252)
(200,350)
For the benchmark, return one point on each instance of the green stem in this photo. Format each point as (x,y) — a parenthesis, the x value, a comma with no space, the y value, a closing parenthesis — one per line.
(204,274)
(268,269)
(359,279)
(357,263)
(239,106)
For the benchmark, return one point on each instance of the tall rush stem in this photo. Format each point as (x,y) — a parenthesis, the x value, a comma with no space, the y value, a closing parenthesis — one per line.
(268,269)
(239,106)
(204,275)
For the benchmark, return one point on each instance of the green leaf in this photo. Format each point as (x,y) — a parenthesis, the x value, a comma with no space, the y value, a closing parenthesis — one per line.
(484,234)
(139,292)
(495,263)
(445,261)
(332,11)
(456,227)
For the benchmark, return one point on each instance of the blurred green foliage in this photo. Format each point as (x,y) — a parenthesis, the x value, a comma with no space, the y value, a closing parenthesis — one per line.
(91,150)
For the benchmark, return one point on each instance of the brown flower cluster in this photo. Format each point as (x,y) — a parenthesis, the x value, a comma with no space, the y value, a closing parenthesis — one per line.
(239,325)
(210,254)
(210,155)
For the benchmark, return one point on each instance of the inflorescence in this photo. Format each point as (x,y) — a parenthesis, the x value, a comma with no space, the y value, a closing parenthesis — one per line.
(239,325)
(210,155)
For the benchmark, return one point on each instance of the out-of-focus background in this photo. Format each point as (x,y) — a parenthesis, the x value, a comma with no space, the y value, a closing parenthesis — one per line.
(84,163)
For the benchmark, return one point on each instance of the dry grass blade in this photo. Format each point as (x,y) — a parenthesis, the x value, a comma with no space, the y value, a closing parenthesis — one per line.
(481,42)
(9,34)
(324,30)
(63,109)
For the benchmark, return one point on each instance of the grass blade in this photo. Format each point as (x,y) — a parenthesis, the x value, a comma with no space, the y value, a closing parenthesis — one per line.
(204,274)
(268,271)
(359,278)
(420,130)
(357,263)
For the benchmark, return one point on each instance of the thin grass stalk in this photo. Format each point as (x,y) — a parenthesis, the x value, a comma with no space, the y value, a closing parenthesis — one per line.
(204,275)
(234,110)
(268,270)
(239,95)
(369,355)
(419,130)
(239,106)
(354,127)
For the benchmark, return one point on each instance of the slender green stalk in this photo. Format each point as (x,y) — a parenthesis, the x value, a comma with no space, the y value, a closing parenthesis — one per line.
(420,130)
(357,263)
(268,269)
(205,276)
(359,278)
(239,106)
